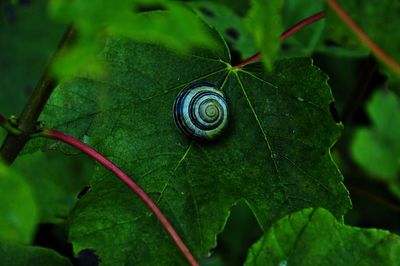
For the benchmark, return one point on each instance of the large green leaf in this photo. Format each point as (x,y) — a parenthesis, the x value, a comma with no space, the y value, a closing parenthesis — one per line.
(377,148)
(275,154)
(315,237)
(18,208)
(56,180)
(20,255)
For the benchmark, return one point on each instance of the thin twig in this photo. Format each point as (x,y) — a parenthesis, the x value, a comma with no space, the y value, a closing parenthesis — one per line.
(353,26)
(129,182)
(292,30)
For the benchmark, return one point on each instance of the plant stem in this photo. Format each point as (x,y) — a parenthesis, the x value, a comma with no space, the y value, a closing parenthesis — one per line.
(307,21)
(292,30)
(13,144)
(129,182)
(375,49)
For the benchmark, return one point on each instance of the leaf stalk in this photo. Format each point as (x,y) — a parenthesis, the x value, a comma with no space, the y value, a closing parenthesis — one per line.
(54,134)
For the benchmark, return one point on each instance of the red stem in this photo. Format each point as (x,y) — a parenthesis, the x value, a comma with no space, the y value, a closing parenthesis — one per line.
(302,24)
(131,184)
(292,30)
(375,49)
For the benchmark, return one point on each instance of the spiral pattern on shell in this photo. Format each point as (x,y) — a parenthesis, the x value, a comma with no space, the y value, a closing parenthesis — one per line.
(201,111)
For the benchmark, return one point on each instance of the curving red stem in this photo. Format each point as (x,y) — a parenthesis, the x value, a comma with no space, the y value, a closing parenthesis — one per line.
(129,182)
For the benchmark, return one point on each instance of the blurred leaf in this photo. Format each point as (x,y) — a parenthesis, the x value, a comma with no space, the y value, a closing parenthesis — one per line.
(20,255)
(314,37)
(282,118)
(304,42)
(56,182)
(26,42)
(125,18)
(18,207)
(239,7)
(230,25)
(314,237)
(379,19)
(377,148)
(265,22)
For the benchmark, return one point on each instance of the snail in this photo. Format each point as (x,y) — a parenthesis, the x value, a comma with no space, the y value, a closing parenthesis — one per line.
(200,111)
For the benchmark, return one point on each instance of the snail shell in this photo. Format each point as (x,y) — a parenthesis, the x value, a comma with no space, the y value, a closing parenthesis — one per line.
(201,111)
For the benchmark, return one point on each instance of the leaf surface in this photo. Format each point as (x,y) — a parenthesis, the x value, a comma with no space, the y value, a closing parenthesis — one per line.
(274,155)
(16,254)
(315,237)
(56,180)
(18,208)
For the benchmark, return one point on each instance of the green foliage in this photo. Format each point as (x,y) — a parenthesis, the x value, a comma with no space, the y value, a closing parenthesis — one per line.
(57,185)
(281,118)
(16,254)
(305,42)
(265,23)
(18,208)
(119,80)
(27,39)
(129,19)
(377,148)
(229,24)
(314,237)
(379,19)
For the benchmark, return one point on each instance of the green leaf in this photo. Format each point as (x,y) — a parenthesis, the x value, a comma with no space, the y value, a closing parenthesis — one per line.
(377,148)
(26,43)
(368,15)
(18,207)
(264,21)
(315,237)
(306,41)
(125,18)
(230,25)
(56,180)
(314,37)
(275,154)
(20,255)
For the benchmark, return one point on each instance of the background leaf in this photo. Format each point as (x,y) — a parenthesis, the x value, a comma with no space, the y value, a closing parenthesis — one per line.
(314,237)
(230,25)
(377,148)
(125,18)
(27,39)
(265,22)
(378,29)
(18,208)
(15,254)
(56,180)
